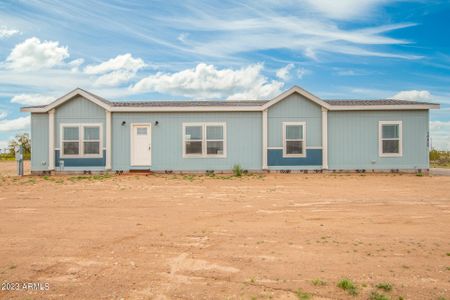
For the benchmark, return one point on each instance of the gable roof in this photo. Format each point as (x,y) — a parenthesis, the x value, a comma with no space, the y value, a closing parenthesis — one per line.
(231,105)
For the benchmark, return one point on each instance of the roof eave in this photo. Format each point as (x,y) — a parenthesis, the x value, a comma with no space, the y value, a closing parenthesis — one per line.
(386,107)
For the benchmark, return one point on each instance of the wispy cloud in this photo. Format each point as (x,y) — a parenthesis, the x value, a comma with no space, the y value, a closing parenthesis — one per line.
(6,32)
(345,9)
(32,99)
(22,123)
(284,72)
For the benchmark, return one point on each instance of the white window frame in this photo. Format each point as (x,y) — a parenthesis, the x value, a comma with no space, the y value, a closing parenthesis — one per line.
(285,124)
(204,140)
(380,138)
(81,140)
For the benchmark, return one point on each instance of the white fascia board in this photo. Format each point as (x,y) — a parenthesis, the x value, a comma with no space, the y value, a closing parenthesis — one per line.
(65,98)
(186,109)
(385,107)
(296,89)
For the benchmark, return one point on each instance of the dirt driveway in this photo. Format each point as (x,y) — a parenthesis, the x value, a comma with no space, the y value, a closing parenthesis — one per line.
(277,236)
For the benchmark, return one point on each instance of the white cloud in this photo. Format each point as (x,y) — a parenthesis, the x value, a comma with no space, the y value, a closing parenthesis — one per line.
(285,72)
(115,71)
(345,9)
(3,114)
(32,54)
(301,72)
(6,32)
(206,81)
(183,37)
(114,78)
(15,124)
(32,99)
(75,64)
(413,95)
(121,62)
(440,135)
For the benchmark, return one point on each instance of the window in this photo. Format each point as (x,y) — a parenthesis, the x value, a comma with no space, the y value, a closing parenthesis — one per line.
(81,140)
(204,140)
(390,138)
(294,137)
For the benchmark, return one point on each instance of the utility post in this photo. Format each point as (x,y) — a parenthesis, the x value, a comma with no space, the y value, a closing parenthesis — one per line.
(19,159)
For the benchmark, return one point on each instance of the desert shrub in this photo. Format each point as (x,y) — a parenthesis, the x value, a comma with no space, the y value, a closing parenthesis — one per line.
(348,286)
(237,170)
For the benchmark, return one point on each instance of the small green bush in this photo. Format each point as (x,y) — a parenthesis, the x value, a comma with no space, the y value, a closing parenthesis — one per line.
(318,282)
(302,295)
(377,296)
(384,286)
(348,286)
(237,170)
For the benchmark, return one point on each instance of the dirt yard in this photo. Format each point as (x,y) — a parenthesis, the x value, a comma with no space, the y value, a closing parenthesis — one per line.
(276,236)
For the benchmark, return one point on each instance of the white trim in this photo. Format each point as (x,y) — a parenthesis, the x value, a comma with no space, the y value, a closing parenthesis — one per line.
(307,148)
(386,107)
(51,139)
(324,138)
(108,141)
(303,124)
(296,89)
(380,138)
(264,139)
(132,125)
(248,108)
(80,140)
(204,140)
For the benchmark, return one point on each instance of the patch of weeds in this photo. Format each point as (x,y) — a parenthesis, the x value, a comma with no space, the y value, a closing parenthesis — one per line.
(448,253)
(348,286)
(252,280)
(237,170)
(419,174)
(189,177)
(301,295)
(448,268)
(46,178)
(32,181)
(387,287)
(12,267)
(318,282)
(377,296)
(102,176)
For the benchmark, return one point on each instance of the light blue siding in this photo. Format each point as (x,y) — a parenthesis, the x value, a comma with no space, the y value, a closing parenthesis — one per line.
(353,140)
(295,108)
(39,142)
(78,110)
(244,140)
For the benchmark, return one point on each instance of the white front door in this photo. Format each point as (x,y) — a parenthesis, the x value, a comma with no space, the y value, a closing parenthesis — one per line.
(141,151)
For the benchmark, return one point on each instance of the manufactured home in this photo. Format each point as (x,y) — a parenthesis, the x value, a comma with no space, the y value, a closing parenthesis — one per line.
(293,131)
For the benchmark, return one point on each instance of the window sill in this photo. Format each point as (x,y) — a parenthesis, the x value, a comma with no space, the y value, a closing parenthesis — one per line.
(391,155)
(204,156)
(294,155)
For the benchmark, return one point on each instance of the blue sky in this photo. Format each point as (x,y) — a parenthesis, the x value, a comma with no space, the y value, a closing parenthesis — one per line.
(224,49)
